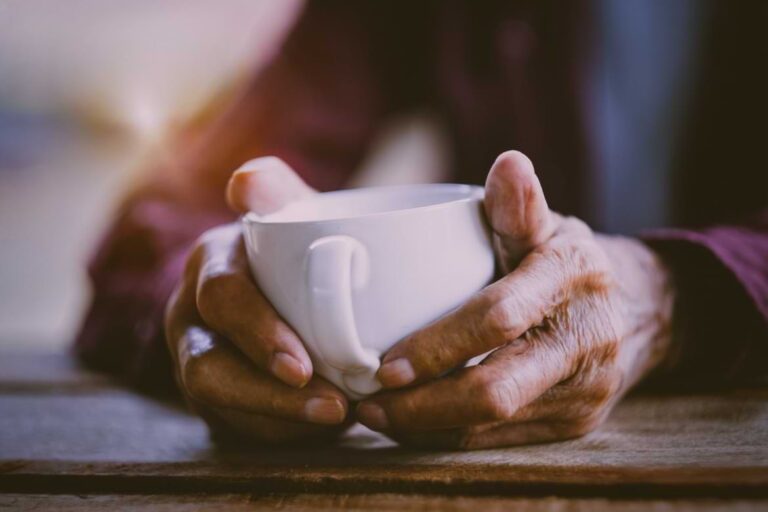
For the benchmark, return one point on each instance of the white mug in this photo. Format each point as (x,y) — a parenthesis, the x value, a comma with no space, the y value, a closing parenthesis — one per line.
(355,271)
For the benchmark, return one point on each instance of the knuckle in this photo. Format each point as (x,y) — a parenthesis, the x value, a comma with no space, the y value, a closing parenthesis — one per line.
(497,399)
(406,407)
(606,335)
(603,390)
(562,348)
(604,325)
(216,290)
(197,377)
(585,423)
(469,438)
(580,256)
(427,351)
(500,320)
(609,352)
(207,243)
(589,257)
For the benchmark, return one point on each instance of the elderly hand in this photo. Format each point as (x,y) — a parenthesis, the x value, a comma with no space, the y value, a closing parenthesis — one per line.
(577,320)
(237,362)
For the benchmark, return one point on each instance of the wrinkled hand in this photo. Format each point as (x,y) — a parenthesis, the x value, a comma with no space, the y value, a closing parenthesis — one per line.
(237,362)
(575,322)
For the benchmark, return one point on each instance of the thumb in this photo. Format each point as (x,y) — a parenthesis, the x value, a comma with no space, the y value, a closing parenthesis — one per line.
(264,185)
(516,207)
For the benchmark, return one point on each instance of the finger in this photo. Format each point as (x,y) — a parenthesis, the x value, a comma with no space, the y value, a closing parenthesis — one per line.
(500,313)
(494,436)
(496,390)
(498,434)
(180,312)
(217,376)
(264,429)
(516,207)
(517,434)
(264,185)
(557,403)
(231,304)
(433,439)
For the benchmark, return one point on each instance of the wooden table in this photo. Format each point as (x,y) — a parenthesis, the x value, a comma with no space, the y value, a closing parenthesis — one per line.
(73,440)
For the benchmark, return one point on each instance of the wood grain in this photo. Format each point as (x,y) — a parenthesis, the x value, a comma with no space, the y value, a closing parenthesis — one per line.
(129,440)
(105,439)
(358,502)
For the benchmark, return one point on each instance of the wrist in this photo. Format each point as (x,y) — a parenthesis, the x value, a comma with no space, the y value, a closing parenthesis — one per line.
(647,293)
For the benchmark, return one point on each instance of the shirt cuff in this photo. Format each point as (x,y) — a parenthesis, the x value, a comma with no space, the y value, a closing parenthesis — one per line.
(720,332)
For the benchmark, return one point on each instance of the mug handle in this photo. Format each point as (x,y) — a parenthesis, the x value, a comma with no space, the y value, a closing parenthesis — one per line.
(335,266)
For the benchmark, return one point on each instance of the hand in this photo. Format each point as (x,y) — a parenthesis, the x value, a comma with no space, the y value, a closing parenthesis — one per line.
(577,320)
(237,362)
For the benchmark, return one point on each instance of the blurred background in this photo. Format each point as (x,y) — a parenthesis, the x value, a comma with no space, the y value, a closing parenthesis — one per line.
(87,89)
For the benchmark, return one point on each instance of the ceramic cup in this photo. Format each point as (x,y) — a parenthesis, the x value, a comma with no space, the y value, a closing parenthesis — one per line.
(355,271)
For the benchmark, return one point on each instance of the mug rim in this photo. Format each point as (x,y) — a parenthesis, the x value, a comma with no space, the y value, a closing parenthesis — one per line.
(471,193)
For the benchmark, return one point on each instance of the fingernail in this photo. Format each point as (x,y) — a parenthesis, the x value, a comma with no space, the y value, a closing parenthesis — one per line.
(328,411)
(372,416)
(396,373)
(289,370)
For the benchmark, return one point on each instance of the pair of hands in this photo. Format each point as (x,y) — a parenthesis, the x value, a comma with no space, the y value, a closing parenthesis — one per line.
(576,320)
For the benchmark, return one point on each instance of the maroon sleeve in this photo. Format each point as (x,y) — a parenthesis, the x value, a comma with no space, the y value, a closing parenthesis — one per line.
(316,105)
(132,275)
(721,313)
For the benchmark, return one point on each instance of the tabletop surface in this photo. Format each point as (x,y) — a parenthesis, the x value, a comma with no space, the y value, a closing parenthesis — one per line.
(74,440)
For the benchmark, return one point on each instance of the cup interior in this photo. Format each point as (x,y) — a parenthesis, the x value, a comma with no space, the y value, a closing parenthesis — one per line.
(361,202)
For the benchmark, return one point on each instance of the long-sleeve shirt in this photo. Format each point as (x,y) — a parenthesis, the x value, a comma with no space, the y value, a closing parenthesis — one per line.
(499,75)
